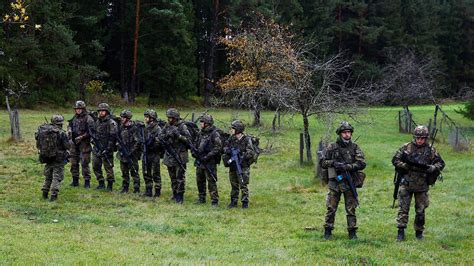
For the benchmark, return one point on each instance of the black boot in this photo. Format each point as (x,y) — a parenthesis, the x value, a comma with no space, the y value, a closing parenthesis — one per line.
(179,198)
(232,204)
(124,189)
(157,193)
(45,194)
(201,200)
(110,185)
(214,204)
(136,189)
(101,185)
(401,234)
(75,182)
(327,233)
(87,183)
(352,234)
(245,205)
(148,192)
(53,197)
(419,235)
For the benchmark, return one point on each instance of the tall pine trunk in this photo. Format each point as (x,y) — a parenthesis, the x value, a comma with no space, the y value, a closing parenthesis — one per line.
(133,82)
(209,75)
(307,138)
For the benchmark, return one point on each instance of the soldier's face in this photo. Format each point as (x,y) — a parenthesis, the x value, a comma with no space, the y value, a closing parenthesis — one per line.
(420,141)
(102,113)
(202,125)
(346,135)
(124,120)
(147,119)
(78,111)
(232,131)
(171,120)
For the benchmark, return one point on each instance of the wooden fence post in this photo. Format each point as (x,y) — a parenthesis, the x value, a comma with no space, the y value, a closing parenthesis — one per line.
(301,148)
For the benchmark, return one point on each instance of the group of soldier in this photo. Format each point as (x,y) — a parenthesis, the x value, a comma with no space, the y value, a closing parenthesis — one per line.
(101,135)
(417,163)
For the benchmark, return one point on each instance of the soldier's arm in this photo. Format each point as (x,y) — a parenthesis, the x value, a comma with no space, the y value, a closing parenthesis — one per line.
(249,151)
(359,163)
(398,162)
(65,140)
(112,136)
(217,146)
(137,140)
(328,160)
(437,161)
(184,134)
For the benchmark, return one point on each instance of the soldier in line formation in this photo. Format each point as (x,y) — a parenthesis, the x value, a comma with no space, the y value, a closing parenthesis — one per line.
(417,163)
(103,135)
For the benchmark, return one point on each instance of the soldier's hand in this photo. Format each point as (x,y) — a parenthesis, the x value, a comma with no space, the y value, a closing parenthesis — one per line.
(339,166)
(78,139)
(403,166)
(431,168)
(226,150)
(182,138)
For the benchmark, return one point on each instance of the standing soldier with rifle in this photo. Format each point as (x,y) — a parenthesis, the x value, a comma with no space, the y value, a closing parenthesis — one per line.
(151,154)
(53,144)
(103,137)
(238,154)
(130,149)
(208,154)
(344,161)
(79,138)
(174,139)
(418,165)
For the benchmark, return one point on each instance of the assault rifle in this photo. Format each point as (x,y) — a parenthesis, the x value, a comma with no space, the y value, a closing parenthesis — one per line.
(99,150)
(235,157)
(171,151)
(199,161)
(145,151)
(345,175)
(124,152)
(396,184)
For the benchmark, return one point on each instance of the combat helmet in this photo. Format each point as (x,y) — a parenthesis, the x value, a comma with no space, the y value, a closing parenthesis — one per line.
(343,127)
(57,120)
(207,119)
(151,113)
(80,105)
(126,114)
(238,126)
(103,107)
(172,113)
(421,132)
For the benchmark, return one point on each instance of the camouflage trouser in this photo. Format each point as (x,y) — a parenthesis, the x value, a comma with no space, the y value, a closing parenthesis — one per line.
(152,173)
(84,158)
(332,201)
(178,179)
(241,184)
(421,203)
(98,161)
(130,169)
(54,174)
(201,176)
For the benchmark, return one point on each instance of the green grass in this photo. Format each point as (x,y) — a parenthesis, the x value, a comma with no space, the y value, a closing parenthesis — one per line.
(99,227)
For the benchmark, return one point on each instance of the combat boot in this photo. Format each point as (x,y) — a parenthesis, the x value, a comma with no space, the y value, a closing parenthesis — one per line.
(75,182)
(327,233)
(45,194)
(352,234)
(401,234)
(201,200)
(101,185)
(53,197)
(419,235)
(136,189)
(179,198)
(157,193)
(214,204)
(110,185)
(245,205)
(232,204)
(87,183)
(124,189)
(148,192)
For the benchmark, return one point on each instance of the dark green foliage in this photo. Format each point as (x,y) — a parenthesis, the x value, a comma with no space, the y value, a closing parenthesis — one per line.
(468,110)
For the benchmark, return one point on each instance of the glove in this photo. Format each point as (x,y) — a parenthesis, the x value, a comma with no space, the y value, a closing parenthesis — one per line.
(226,150)
(431,168)
(182,138)
(78,139)
(403,166)
(342,166)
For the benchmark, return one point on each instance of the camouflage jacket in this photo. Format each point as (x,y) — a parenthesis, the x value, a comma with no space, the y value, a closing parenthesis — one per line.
(130,138)
(152,130)
(62,144)
(79,126)
(413,177)
(105,131)
(244,145)
(176,136)
(209,145)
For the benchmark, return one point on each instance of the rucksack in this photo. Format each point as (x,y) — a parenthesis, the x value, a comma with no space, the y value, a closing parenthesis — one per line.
(193,130)
(47,138)
(255,146)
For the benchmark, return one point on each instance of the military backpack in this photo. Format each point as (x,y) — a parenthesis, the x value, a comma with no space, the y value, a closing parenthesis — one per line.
(47,138)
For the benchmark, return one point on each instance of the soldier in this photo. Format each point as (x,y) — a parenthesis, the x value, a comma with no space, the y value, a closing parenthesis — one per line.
(174,138)
(53,144)
(104,138)
(209,147)
(238,145)
(130,148)
(151,156)
(78,133)
(342,156)
(416,162)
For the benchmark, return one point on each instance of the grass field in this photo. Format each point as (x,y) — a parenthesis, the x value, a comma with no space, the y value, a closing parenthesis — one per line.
(91,227)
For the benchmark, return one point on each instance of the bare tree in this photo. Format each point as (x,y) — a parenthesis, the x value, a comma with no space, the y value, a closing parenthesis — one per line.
(14,91)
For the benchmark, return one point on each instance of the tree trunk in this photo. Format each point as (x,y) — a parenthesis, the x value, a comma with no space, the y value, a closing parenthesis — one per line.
(123,74)
(256,117)
(133,82)
(307,139)
(14,121)
(209,76)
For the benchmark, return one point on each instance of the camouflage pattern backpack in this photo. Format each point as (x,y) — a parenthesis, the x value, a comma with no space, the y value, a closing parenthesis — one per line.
(47,137)
(255,146)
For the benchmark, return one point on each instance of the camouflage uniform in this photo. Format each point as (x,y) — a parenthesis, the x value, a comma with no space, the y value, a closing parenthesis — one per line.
(244,144)
(152,173)
(54,169)
(209,146)
(131,140)
(414,181)
(105,130)
(350,154)
(176,136)
(78,132)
